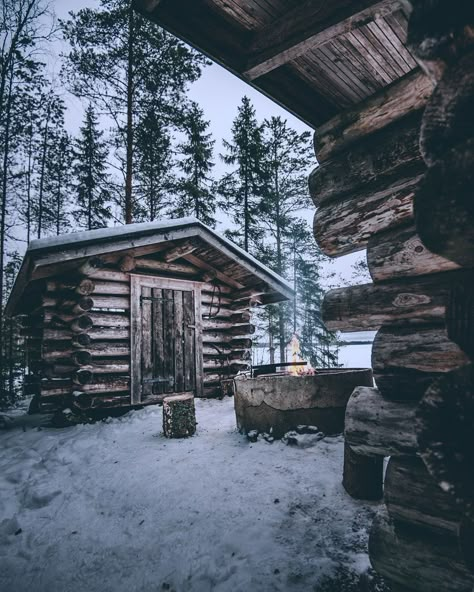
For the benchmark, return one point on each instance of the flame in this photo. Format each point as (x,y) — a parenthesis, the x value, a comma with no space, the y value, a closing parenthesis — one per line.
(296,357)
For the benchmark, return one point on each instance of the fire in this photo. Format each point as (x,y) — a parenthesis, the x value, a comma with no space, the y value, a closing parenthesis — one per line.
(296,357)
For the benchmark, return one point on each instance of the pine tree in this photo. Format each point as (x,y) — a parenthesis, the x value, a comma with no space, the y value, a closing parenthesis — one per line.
(244,187)
(128,67)
(90,174)
(195,188)
(155,170)
(288,157)
(317,344)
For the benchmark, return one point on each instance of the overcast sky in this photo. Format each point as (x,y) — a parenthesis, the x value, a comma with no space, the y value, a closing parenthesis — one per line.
(218,92)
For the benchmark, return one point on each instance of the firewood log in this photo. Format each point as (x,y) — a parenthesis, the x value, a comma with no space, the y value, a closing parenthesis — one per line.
(179,416)
(460,315)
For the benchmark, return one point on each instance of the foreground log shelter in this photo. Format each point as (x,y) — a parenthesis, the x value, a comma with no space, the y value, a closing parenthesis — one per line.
(389,88)
(126,316)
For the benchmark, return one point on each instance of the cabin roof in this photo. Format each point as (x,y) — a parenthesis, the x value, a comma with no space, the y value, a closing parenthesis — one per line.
(316,58)
(63,254)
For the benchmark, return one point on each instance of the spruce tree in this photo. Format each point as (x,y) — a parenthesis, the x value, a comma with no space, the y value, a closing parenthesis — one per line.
(243,187)
(128,66)
(91,181)
(288,158)
(196,195)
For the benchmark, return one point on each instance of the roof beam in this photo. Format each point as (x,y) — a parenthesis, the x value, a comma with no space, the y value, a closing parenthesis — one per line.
(308,26)
(215,272)
(179,251)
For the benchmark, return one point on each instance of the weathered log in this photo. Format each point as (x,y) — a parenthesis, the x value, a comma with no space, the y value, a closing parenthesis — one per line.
(367,307)
(88,286)
(80,286)
(232,366)
(180,250)
(460,315)
(217,310)
(108,275)
(439,29)
(80,340)
(362,475)
(156,265)
(417,559)
(220,373)
(412,496)
(447,121)
(82,323)
(217,324)
(127,263)
(406,360)
(345,226)
(87,374)
(399,252)
(375,426)
(179,416)
(445,423)
(221,337)
(371,164)
(222,352)
(107,385)
(444,205)
(393,103)
(95,349)
(91,266)
(230,329)
(76,307)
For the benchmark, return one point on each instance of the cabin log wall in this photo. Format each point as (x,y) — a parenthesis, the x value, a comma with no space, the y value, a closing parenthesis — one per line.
(78,338)
(424,331)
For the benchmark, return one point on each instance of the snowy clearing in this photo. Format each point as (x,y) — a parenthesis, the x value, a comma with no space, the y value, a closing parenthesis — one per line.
(117,507)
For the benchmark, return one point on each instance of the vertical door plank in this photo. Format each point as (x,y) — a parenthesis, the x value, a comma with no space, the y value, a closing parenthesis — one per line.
(146,339)
(168,340)
(189,341)
(179,339)
(136,340)
(157,341)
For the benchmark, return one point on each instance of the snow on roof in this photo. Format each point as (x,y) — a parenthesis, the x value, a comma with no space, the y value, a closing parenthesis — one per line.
(79,245)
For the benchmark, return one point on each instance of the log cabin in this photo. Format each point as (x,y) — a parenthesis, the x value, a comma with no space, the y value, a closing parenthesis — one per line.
(122,317)
(388,87)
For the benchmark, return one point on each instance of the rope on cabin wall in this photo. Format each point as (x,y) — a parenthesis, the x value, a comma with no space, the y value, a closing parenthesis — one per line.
(217,288)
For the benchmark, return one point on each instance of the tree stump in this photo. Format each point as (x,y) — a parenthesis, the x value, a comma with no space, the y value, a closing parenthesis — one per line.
(363,475)
(179,416)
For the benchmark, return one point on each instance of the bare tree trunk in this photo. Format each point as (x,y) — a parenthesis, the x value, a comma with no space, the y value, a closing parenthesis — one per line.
(129,135)
(43,167)
(3,213)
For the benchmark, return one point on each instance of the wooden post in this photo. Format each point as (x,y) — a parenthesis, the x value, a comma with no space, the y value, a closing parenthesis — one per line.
(179,416)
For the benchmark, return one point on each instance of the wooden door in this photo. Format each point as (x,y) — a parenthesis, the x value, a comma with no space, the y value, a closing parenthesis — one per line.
(166,338)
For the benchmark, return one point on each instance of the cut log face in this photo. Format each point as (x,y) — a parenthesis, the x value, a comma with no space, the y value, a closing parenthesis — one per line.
(399,252)
(406,360)
(371,164)
(409,554)
(412,496)
(445,422)
(179,416)
(345,226)
(363,475)
(375,426)
(413,300)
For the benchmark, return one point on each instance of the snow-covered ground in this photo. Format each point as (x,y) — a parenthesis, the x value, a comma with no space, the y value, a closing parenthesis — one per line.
(116,507)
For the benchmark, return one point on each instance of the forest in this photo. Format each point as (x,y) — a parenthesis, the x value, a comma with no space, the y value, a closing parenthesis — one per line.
(143,152)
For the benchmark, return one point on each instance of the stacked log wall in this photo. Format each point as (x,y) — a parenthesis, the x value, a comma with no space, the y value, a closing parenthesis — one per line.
(364,189)
(78,336)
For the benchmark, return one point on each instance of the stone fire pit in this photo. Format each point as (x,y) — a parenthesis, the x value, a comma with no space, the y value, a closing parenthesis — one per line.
(280,402)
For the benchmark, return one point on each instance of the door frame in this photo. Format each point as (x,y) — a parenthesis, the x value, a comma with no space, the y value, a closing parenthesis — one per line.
(153,281)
